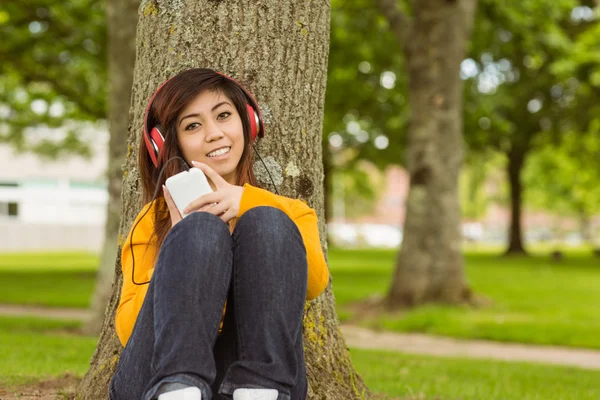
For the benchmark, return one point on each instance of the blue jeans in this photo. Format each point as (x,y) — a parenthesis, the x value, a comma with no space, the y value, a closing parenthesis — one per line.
(261,271)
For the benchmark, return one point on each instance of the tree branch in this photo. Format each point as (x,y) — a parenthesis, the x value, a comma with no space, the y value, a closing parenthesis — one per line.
(399,22)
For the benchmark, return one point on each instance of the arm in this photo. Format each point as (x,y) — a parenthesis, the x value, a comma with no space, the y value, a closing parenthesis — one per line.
(306,220)
(132,295)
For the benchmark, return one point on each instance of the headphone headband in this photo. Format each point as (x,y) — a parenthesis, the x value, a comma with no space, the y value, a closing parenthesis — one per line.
(155,139)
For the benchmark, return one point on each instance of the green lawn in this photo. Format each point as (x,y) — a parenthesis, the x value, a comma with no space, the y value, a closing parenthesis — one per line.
(48,279)
(533,299)
(34,349)
(421,377)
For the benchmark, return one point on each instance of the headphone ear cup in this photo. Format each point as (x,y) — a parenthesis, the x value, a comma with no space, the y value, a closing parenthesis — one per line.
(254,122)
(157,140)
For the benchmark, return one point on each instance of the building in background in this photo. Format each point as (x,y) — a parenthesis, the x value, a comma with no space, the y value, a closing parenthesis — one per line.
(384,226)
(54,205)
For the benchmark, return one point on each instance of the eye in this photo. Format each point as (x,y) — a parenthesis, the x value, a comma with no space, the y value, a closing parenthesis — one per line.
(192,126)
(224,115)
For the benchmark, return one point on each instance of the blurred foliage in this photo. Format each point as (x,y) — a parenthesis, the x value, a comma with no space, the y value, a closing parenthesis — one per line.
(472,191)
(566,178)
(52,73)
(365,103)
(513,95)
(356,188)
(366,86)
(532,80)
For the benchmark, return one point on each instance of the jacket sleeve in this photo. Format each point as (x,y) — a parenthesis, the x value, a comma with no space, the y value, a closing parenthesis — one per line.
(307,223)
(137,246)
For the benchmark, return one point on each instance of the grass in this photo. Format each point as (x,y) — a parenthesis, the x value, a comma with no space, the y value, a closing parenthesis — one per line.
(533,299)
(423,377)
(48,279)
(35,349)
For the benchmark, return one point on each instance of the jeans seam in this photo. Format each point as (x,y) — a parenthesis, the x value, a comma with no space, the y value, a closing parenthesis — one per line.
(242,352)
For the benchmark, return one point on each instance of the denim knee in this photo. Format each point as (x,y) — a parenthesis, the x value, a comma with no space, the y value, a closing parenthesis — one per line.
(267,225)
(200,235)
(199,227)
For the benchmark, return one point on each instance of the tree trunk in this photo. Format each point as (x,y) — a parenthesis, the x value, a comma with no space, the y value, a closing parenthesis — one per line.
(516,161)
(429,266)
(585,227)
(121,17)
(278,50)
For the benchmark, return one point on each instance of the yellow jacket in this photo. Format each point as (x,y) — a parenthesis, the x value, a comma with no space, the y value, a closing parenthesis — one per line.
(145,253)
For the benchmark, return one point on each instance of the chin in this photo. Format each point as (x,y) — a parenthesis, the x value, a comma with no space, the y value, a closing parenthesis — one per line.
(224,171)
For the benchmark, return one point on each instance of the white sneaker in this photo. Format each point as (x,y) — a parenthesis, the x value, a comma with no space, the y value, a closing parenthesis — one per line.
(255,394)
(189,393)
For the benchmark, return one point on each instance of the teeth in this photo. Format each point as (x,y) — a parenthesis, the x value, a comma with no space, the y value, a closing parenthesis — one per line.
(219,152)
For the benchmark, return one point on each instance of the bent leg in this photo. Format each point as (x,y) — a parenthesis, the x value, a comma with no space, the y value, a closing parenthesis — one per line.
(269,292)
(179,321)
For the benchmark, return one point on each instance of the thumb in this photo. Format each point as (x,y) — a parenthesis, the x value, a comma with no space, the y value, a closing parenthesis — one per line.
(210,173)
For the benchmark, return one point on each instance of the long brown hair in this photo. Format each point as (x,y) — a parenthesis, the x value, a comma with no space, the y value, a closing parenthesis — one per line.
(166,107)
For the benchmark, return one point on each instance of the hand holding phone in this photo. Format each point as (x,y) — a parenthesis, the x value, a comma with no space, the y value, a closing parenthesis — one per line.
(186,187)
(224,201)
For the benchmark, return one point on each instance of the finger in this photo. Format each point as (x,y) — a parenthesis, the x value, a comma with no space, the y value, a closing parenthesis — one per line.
(173,211)
(210,173)
(218,209)
(209,198)
(229,215)
(207,207)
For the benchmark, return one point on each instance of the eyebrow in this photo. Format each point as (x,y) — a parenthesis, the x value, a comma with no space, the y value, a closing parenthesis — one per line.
(212,109)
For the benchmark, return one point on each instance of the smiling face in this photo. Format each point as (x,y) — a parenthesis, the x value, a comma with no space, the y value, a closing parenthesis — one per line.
(209,130)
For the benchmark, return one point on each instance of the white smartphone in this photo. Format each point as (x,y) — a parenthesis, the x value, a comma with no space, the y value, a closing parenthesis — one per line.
(186,187)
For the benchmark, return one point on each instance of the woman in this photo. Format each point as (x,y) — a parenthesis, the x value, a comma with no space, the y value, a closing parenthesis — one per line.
(211,304)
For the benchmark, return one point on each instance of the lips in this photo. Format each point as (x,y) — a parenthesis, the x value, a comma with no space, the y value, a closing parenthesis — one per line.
(219,152)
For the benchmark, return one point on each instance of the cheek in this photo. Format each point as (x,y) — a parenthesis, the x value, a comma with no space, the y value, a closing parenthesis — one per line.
(190,148)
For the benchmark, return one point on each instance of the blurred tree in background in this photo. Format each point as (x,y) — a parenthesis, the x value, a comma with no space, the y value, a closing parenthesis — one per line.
(516,97)
(434,36)
(121,18)
(366,91)
(63,79)
(53,72)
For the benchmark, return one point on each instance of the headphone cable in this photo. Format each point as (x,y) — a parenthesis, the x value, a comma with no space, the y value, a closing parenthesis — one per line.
(268,172)
(187,168)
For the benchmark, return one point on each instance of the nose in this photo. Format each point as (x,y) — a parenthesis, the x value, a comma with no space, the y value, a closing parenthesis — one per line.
(213,132)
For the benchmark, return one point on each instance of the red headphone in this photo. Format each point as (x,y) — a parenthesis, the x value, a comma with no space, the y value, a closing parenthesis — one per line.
(155,138)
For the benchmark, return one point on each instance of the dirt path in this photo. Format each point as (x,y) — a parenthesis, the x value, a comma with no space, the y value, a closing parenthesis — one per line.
(52,389)
(44,312)
(412,343)
(415,343)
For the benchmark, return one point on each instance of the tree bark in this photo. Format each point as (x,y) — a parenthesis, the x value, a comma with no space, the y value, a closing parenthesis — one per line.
(516,161)
(279,51)
(429,265)
(121,18)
